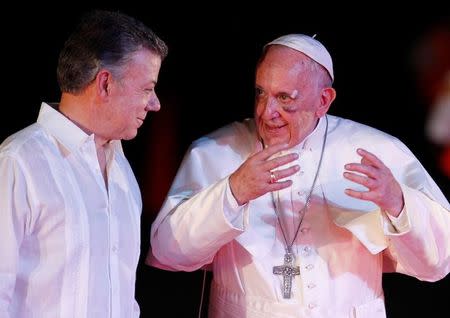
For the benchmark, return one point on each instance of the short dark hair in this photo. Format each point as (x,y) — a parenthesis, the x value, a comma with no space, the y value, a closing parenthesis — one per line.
(102,39)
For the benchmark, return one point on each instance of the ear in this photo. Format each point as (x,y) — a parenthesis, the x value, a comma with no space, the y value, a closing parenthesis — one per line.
(327,96)
(103,82)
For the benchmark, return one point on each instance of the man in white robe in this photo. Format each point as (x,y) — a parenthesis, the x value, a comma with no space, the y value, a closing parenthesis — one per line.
(297,212)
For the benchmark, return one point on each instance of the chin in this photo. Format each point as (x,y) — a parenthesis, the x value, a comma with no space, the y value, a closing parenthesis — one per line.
(130,136)
(274,141)
(272,138)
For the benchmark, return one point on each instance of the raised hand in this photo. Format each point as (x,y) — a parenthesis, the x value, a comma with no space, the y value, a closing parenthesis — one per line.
(256,176)
(383,188)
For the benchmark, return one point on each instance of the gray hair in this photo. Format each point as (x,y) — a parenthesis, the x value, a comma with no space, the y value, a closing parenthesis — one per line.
(103,39)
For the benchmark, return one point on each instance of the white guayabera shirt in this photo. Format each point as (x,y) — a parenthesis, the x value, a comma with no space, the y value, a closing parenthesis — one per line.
(69,246)
(343,245)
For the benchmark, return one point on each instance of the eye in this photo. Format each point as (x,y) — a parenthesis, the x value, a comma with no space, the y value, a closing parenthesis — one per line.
(284,98)
(258,92)
(148,91)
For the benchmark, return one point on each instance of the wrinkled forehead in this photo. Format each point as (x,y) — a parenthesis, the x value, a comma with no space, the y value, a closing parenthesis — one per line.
(285,60)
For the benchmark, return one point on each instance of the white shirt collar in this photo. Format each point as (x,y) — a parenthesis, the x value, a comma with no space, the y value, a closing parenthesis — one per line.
(64,130)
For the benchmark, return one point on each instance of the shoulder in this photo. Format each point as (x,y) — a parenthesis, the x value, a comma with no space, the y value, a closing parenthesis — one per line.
(229,137)
(347,134)
(355,132)
(24,142)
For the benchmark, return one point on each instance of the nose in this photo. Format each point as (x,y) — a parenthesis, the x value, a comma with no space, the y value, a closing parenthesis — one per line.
(268,108)
(153,105)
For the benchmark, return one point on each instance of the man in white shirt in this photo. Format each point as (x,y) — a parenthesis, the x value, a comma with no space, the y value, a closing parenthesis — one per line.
(69,202)
(298,212)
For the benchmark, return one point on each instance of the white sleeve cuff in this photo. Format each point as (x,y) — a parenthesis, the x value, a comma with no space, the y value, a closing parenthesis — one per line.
(236,215)
(397,225)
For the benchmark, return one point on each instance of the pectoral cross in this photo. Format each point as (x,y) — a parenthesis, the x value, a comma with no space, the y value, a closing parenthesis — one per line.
(288,270)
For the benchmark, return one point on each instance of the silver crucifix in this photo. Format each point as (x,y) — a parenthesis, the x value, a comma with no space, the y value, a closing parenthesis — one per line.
(288,270)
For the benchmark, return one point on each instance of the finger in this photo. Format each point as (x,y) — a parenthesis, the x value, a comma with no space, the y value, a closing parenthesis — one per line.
(279,161)
(280,185)
(362,180)
(284,173)
(362,195)
(367,170)
(271,150)
(370,158)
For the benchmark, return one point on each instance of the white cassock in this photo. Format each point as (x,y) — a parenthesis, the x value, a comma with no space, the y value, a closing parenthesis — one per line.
(343,245)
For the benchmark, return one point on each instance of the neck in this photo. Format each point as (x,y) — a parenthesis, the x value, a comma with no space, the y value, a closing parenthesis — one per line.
(75,108)
(78,109)
(308,133)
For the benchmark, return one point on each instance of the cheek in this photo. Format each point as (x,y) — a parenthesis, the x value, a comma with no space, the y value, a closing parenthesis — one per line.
(295,122)
(294,127)
(126,111)
(264,112)
(258,110)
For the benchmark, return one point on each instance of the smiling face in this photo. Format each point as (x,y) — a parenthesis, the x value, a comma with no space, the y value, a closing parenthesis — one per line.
(290,96)
(132,95)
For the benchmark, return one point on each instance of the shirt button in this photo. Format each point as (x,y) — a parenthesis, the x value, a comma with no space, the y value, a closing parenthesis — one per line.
(311,285)
(312,305)
(114,249)
(309,267)
(307,251)
(305,230)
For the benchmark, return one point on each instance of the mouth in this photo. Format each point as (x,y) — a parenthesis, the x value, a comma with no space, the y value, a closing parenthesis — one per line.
(274,128)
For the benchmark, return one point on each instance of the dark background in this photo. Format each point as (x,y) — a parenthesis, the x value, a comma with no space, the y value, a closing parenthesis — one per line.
(207,81)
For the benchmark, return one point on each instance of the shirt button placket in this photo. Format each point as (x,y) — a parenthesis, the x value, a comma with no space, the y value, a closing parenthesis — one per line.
(310,290)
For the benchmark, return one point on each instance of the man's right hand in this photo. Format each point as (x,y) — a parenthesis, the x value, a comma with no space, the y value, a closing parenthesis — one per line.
(256,176)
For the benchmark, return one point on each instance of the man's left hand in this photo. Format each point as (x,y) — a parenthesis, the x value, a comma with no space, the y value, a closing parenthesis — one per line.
(383,188)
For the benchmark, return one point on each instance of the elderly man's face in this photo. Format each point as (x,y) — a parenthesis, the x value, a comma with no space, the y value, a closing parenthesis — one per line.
(289,100)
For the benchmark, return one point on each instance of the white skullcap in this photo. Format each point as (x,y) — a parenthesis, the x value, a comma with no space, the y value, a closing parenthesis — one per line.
(308,46)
